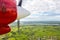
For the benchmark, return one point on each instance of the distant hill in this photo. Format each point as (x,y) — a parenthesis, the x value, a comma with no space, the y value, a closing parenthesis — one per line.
(40,22)
(36,23)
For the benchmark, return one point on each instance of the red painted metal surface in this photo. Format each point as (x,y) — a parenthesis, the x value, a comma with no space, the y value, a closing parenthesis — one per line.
(8,14)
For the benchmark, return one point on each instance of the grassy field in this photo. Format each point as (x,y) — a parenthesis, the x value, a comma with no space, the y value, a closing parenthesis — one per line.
(33,32)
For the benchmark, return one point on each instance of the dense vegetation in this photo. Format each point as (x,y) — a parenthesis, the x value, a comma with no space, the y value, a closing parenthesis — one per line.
(34,32)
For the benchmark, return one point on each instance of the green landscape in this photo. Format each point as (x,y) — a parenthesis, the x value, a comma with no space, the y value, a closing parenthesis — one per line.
(33,32)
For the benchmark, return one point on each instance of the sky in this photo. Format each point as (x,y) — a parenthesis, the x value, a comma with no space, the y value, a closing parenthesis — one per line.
(42,10)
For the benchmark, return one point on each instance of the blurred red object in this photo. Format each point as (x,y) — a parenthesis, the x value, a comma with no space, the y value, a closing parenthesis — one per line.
(8,14)
(4,29)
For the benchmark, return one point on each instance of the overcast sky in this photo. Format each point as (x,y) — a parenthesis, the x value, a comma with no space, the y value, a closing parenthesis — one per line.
(42,10)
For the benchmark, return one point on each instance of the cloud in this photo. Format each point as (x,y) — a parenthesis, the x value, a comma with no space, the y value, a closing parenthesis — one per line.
(41,18)
(39,5)
(42,10)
